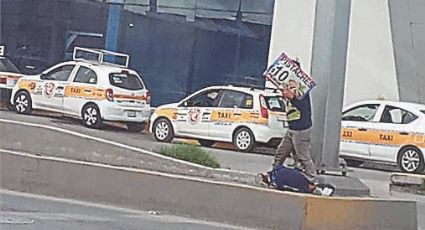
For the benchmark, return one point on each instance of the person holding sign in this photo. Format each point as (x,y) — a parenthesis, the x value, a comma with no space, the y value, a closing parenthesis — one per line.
(297,139)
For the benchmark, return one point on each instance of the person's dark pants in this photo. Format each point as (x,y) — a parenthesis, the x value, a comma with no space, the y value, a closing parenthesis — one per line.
(298,143)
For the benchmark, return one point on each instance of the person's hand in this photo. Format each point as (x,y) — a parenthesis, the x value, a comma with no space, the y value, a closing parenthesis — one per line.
(288,94)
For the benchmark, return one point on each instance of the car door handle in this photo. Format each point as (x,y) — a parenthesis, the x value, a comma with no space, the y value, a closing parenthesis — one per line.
(404,133)
(87,91)
(206,113)
(362,129)
(237,114)
(59,87)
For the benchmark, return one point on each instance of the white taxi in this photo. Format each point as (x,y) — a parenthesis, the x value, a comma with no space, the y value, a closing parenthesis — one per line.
(385,131)
(92,87)
(9,75)
(244,116)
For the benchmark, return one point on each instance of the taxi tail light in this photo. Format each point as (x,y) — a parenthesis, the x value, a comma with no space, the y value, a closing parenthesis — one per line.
(263,108)
(3,80)
(109,95)
(148,97)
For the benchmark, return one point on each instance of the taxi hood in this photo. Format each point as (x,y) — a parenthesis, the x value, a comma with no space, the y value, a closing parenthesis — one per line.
(168,106)
(30,77)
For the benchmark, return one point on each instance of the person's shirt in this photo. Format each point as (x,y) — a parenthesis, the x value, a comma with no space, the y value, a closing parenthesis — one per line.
(289,179)
(304,106)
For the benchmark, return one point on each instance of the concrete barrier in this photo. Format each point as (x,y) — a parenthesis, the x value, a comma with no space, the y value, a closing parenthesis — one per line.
(410,183)
(198,198)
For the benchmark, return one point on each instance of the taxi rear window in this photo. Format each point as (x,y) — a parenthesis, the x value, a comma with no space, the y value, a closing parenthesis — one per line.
(275,103)
(126,81)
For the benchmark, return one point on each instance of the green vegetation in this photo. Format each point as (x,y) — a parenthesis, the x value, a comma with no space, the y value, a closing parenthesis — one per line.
(190,153)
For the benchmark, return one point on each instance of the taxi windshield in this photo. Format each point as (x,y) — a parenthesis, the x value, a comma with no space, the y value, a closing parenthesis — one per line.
(275,103)
(126,81)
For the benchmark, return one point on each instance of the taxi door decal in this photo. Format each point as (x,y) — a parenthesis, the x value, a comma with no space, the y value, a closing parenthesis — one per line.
(85,92)
(352,134)
(169,113)
(224,116)
(398,138)
(194,116)
(28,85)
(49,89)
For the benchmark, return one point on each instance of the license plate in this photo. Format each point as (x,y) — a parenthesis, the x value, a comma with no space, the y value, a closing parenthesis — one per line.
(11,82)
(131,113)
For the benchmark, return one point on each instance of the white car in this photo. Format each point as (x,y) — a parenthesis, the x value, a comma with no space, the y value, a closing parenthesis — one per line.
(9,75)
(244,116)
(385,131)
(93,90)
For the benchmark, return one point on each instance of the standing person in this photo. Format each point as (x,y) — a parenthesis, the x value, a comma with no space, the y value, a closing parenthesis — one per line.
(297,140)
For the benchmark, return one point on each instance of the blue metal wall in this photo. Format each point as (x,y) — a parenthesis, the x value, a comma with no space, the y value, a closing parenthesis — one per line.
(177,57)
(174,55)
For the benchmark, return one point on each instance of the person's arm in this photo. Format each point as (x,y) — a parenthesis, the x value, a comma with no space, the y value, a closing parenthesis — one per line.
(295,102)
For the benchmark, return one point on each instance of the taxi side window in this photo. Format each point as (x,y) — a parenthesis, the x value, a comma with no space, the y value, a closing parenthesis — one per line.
(234,99)
(396,115)
(86,75)
(361,113)
(59,74)
(204,99)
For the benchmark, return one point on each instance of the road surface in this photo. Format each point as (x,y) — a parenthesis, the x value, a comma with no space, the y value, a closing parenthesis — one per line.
(20,211)
(376,180)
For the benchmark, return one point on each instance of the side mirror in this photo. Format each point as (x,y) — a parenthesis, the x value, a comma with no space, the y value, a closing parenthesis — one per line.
(185,103)
(43,76)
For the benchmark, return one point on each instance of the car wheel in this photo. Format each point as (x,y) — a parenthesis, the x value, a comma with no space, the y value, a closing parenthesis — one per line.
(91,116)
(163,130)
(411,160)
(206,143)
(23,102)
(244,140)
(136,127)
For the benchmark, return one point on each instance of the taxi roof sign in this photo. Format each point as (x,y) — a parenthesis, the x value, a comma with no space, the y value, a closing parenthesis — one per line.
(101,56)
(1,51)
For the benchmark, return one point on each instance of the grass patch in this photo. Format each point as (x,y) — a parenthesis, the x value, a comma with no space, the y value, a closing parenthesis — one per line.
(190,153)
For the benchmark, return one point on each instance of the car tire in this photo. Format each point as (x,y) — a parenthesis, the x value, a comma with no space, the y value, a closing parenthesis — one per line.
(163,130)
(206,143)
(23,103)
(135,127)
(91,116)
(411,160)
(244,140)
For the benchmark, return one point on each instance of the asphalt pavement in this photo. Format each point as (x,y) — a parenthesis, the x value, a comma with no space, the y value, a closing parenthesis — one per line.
(376,180)
(20,211)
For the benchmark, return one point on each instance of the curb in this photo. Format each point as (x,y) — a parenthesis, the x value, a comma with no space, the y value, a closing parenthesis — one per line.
(231,203)
(410,183)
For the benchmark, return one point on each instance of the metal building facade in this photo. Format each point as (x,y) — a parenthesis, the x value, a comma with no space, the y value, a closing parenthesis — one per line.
(177,46)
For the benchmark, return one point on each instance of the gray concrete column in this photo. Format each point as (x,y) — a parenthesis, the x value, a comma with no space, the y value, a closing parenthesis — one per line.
(328,66)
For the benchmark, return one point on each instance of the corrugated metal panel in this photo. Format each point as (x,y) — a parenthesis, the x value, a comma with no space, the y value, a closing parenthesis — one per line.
(253,11)
(260,12)
(223,9)
(179,7)
(137,6)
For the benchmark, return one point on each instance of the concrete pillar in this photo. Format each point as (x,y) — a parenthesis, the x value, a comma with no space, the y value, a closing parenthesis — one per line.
(328,66)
